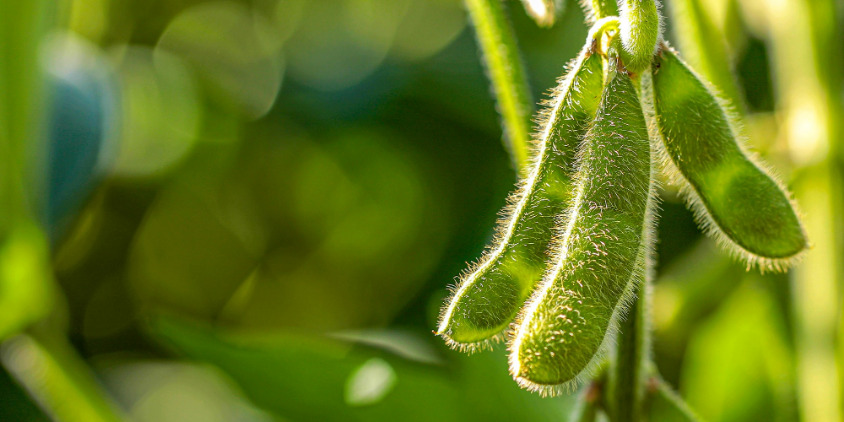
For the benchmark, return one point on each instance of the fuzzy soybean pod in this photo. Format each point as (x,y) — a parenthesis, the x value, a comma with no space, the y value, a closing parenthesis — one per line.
(490,293)
(561,330)
(735,199)
(640,31)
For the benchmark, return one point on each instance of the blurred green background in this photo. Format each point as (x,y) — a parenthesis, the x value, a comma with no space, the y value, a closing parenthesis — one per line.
(254,209)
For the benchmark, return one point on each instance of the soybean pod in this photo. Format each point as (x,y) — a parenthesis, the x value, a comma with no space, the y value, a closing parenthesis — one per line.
(490,294)
(640,30)
(733,197)
(599,251)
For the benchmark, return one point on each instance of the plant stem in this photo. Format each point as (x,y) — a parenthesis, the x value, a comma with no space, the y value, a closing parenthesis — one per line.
(506,72)
(49,369)
(629,370)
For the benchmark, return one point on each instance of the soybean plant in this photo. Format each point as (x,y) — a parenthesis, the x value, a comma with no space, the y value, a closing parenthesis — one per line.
(573,251)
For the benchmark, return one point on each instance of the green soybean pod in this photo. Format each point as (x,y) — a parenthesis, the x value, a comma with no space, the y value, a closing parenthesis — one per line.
(599,250)
(491,292)
(640,30)
(734,198)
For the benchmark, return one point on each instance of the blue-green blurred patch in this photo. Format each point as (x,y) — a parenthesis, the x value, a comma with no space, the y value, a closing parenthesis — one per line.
(83,125)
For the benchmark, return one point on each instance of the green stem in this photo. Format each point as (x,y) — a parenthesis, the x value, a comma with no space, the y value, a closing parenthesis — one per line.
(627,379)
(59,381)
(506,72)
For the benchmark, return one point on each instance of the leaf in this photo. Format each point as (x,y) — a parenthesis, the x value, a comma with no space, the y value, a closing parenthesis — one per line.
(306,378)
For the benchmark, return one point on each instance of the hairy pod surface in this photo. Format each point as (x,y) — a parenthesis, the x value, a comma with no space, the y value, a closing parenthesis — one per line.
(599,248)
(640,31)
(734,199)
(490,294)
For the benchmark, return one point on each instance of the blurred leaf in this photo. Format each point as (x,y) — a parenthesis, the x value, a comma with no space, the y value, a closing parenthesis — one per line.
(160,391)
(291,233)
(15,405)
(200,240)
(304,378)
(26,285)
(161,112)
(685,294)
(738,366)
(339,43)
(401,343)
(49,369)
(428,27)
(233,51)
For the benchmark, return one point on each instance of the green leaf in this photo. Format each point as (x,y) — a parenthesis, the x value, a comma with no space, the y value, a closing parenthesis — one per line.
(309,378)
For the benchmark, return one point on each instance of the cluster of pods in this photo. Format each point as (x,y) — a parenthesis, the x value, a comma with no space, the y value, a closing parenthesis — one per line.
(572,247)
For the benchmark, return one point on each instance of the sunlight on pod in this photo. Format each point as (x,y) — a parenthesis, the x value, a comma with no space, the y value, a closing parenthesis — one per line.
(544,12)
(640,30)
(734,198)
(490,293)
(599,249)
